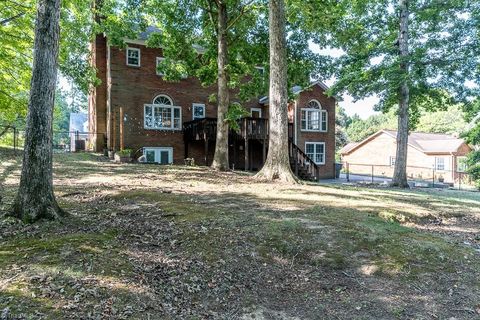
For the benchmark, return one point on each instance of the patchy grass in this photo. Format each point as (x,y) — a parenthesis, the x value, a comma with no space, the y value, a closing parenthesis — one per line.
(172,242)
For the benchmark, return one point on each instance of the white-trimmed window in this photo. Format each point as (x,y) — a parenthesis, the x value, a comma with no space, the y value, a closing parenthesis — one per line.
(256,112)
(440,163)
(198,111)
(392,161)
(158,69)
(133,57)
(162,155)
(461,164)
(316,151)
(162,114)
(314,118)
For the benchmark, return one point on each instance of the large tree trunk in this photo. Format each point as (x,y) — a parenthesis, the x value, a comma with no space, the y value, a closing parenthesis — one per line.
(400,172)
(35,199)
(277,164)
(220,159)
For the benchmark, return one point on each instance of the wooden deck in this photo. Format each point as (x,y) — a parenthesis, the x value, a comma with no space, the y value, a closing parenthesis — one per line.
(206,129)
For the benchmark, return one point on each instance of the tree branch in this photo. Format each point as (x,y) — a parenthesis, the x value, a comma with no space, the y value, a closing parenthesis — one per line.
(5,21)
(242,12)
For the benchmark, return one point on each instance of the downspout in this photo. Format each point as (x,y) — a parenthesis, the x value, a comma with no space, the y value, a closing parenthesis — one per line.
(295,122)
(109,103)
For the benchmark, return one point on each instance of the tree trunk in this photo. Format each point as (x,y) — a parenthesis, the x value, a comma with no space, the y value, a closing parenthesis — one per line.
(220,159)
(277,164)
(400,172)
(35,199)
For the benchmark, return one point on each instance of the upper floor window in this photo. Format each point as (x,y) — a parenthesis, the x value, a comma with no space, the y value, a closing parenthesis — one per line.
(198,111)
(314,118)
(133,57)
(316,151)
(162,114)
(158,67)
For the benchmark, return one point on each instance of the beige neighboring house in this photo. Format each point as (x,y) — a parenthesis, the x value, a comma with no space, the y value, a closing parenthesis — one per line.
(428,153)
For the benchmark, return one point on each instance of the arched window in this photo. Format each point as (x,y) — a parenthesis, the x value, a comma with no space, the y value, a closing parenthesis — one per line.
(313,104)
(162,114)
(163,99)
(313,117)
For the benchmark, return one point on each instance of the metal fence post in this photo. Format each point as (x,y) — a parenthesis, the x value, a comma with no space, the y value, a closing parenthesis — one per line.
(433,178)
(348,171)
(372,174)
(15,140)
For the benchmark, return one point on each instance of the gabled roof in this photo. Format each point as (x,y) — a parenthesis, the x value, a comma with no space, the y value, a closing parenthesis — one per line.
(349,146)
(428,143)
(298,89)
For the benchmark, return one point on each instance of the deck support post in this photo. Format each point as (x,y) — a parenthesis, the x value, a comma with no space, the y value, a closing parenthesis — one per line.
(206,151)
(247,157)
(264,151)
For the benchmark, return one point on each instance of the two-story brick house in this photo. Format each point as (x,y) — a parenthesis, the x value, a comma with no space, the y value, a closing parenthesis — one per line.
(170,121)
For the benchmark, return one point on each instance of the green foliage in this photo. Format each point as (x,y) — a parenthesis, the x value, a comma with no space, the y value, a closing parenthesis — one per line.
(15,57)
(449,121)
(360,129)
(235,112)
(17,46)
(367,32)
(125,152)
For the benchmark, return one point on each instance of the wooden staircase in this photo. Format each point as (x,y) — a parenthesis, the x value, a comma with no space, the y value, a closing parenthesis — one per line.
(302,166)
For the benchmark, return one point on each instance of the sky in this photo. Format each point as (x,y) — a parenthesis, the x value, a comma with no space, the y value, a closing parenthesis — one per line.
(364,107)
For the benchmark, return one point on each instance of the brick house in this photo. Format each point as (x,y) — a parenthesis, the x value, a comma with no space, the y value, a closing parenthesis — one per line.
(168,122)
(428,154)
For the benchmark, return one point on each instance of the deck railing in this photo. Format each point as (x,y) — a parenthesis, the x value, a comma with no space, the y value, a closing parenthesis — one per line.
(200,129)
(206,128)
(301,161)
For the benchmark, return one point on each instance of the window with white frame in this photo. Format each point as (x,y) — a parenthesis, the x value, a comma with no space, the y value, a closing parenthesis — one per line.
(461,164)
(198,111)
(316,151)
(162,155)
(392,161)
(440,163)
(158,67)
(162,114)
(133,57)
(314,118)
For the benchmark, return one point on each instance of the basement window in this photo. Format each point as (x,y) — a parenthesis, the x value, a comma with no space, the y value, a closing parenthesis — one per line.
(162,155)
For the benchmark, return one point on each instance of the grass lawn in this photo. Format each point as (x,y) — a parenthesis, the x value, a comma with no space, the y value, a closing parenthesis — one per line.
(172,242)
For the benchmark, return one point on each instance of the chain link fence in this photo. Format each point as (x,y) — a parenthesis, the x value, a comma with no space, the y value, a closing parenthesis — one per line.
(63,141)
(417,176)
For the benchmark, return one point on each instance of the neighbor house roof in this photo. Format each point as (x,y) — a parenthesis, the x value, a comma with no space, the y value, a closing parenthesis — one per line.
(428,143)
(299,89)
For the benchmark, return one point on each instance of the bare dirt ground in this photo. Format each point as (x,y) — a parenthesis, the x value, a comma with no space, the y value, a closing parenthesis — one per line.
(172,242)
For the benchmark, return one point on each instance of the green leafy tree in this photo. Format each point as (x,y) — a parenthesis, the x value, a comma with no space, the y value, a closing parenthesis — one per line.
(407,53)
(472,136)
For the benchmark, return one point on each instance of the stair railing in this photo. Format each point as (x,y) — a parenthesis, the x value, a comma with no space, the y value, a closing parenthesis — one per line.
(301,160)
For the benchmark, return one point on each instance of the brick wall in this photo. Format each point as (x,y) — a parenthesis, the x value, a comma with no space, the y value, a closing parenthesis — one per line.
(129,88)
(97,109)
(380,149)
(327,170)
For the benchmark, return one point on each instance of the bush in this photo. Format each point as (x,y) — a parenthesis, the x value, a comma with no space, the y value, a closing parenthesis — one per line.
(125,153)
